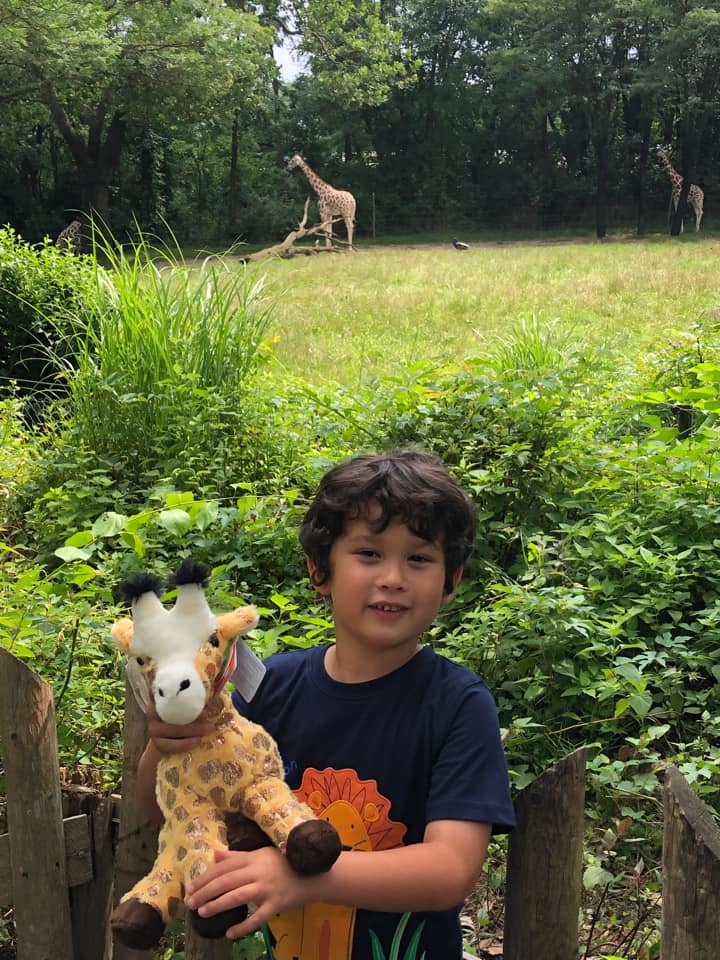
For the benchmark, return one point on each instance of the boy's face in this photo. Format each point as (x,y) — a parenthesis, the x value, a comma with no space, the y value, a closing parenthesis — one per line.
(386,587)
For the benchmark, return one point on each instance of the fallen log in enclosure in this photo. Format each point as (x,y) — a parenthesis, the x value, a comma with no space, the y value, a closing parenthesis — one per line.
(286,248)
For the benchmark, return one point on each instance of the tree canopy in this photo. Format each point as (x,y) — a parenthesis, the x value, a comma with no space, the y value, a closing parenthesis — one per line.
(494,113)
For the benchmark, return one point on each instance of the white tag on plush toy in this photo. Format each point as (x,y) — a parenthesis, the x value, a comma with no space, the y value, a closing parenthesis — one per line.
(138,684)
(248,673)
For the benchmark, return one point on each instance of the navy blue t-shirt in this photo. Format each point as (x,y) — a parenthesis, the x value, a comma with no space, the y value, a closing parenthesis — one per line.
(381,760)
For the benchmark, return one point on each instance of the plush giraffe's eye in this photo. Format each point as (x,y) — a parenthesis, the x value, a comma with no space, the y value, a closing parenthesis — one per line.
(214,640)
(140,661)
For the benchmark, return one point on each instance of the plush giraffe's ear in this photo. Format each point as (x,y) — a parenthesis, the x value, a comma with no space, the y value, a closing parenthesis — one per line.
(122,634)
(235,624)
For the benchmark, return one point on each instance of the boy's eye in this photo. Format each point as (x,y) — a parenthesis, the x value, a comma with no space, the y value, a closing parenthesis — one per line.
(366,552)
(420,558)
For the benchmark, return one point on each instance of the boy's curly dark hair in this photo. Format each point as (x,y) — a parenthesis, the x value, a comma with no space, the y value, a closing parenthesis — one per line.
(412,486)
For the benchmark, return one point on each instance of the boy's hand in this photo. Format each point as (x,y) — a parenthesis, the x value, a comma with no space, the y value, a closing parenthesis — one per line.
(262,877)
(176,738)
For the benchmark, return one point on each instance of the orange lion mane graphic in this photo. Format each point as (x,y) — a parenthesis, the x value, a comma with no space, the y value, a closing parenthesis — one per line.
(355,807)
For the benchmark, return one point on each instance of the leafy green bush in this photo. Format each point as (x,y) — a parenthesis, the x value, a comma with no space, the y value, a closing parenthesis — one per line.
(18,449)
(591,606)
(43,291)
(57,624)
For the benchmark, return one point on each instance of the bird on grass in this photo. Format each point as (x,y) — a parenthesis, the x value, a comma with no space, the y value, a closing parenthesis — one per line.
(458,244)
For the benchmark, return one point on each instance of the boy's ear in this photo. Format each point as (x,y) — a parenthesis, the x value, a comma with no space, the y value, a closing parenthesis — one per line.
(456,578)
(323,589)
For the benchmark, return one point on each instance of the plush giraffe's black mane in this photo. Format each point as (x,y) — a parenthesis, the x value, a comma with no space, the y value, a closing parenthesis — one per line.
(190,572)
(139,583)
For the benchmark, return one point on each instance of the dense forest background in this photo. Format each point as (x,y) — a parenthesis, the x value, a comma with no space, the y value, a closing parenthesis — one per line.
(484,113)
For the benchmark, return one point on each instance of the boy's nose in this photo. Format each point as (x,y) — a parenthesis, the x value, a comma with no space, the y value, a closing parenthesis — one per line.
(390,576)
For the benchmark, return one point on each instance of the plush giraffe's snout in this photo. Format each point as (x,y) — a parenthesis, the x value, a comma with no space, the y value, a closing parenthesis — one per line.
(179,693)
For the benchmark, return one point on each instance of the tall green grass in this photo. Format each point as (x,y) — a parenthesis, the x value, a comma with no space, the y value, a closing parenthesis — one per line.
(167,336)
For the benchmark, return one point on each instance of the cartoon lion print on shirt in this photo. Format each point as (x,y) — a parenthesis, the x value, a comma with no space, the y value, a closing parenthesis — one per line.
(360,814)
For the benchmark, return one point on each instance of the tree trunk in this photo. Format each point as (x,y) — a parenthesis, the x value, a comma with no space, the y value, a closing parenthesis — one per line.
(233,173)
(601,154)
(96,159)
(642,172)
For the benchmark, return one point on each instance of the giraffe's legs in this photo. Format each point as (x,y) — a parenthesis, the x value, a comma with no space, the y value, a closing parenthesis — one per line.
(349,228)
(698,216)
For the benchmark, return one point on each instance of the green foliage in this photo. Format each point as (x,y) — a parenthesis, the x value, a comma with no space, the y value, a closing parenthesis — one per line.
(411,949)
(41,289)
(19,444)
(165,354)
(57,624)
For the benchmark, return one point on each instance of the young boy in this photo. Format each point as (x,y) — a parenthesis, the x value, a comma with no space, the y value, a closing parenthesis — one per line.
(397,746)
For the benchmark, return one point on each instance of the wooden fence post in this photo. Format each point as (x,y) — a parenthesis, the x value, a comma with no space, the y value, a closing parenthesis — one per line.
(91,902)
(691,875)
(137,837)
(39,879)
(544,867)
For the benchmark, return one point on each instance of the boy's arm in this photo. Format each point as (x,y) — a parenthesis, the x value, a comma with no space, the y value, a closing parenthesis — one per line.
(436,874)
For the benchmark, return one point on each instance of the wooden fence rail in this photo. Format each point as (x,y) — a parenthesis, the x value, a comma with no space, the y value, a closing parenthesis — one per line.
(66,859)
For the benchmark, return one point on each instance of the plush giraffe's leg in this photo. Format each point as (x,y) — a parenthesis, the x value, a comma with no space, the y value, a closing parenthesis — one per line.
(143,913)
(349,228)
(198,835)
(311,845)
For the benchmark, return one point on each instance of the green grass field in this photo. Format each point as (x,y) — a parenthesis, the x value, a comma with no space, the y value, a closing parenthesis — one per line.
(350,317)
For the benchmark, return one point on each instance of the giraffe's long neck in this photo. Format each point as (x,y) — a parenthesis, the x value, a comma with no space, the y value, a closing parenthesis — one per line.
(316,182)
(675,177)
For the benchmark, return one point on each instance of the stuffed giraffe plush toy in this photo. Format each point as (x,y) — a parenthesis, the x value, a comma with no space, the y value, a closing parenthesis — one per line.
(231,783)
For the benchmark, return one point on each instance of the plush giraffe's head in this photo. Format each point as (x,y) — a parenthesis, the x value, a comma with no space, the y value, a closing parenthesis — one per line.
(294,161)
(186,651)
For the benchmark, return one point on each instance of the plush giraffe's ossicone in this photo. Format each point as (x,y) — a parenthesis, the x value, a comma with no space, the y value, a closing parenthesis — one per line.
(228,792)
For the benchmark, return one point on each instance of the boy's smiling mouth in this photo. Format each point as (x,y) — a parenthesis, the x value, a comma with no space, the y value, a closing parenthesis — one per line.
(388,607)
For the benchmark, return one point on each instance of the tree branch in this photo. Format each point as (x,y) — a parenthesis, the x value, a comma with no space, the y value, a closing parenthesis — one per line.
(286,248)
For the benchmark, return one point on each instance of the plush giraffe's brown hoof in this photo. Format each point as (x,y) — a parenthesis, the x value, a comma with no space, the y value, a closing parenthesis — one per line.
(213,928)
(137,925)
(313,847)
(245,835)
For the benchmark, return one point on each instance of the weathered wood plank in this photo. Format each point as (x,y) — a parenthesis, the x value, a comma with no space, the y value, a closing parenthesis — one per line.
(78,856)
(544,867)
(691,875)
(91,903)
(38,871)
(137,838)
